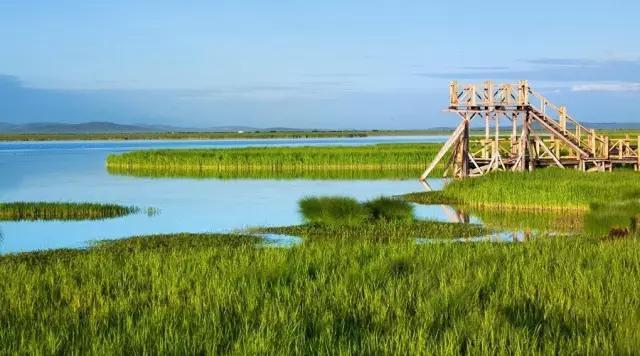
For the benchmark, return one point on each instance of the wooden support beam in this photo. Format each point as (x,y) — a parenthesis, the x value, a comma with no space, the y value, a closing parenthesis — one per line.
(447,145)
(461,163)
(548,151)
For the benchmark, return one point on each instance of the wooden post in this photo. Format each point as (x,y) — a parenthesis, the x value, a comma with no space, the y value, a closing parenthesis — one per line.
(638,154)
(563,118)
(620,148)
(487,127)
(523,93)
(462,159)
(471,92)
(488,94)
(453,94)
(524,142)
(514,134)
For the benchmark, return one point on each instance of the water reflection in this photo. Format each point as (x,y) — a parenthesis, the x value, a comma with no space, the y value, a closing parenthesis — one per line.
(599,220)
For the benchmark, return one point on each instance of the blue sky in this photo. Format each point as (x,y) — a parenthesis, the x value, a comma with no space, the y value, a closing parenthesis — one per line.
(309,64)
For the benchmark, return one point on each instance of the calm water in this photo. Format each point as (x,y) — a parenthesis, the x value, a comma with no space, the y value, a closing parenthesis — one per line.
(74,171)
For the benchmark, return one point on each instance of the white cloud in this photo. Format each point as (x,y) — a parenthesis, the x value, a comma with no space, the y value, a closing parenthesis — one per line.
(606,87)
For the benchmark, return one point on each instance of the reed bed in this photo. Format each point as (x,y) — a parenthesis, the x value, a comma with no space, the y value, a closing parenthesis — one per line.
(311,173)
(217,294)
(543,189)
(400,159)
(16,211)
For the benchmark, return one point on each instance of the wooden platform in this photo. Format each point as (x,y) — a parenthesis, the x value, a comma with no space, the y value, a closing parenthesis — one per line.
(523,130)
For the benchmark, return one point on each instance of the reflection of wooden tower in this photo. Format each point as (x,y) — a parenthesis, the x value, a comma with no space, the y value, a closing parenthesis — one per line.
(542,134)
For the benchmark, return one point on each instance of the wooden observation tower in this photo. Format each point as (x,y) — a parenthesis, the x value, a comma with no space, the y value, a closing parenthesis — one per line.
(537,134)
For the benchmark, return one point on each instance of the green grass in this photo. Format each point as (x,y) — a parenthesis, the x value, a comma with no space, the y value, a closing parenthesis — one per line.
(550,199)
(313,173)
(15,211)
(396,160)
(333,210)
(348,211)
(379,231)
(192,294)
(565,221)
(542,189)
(389,209)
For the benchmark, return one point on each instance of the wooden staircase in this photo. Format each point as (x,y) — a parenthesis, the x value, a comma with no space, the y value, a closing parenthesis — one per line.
(541,134)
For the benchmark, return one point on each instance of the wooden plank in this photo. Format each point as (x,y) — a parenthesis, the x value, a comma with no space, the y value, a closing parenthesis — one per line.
(447,145)
(548,151)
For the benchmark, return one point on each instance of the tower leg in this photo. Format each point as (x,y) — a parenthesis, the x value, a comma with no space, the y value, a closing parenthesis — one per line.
(462,155)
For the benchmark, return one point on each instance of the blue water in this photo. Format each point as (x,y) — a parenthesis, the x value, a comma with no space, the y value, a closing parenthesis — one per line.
(75,171)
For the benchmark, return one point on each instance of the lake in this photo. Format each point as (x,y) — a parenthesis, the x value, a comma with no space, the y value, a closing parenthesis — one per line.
(75,171)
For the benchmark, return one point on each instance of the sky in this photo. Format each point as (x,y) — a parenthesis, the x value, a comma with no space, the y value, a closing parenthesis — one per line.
(308,64)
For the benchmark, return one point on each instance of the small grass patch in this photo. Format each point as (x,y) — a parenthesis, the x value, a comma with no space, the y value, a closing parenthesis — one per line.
(348,211)
(379,231)
(16,211)
(333,210)
(389,209)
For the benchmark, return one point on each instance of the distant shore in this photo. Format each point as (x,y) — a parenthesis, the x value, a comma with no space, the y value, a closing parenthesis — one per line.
(212,135)
(125,136)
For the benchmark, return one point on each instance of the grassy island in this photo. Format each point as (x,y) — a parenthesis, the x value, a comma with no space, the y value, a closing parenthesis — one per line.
(384,160)
(14,211)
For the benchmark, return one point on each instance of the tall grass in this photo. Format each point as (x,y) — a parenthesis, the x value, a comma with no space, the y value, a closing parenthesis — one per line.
(389,209)
(61,211)
(348,211)
(302,172)
(542,189)
(563,221)
(214,294)
(380,231)
(333,210)
(405,159)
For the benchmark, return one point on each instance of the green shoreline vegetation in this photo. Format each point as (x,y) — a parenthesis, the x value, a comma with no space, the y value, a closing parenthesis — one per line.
(550,199)
(542,189)
(17,211)
(383,160)
(198,293)
(272,134)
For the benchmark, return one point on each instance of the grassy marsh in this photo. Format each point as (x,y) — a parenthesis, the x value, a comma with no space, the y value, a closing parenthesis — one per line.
(191,293)
(395,160)
(542,189)
(15,211)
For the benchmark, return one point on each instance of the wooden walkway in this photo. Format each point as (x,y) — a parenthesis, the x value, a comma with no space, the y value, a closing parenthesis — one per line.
(537,134)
